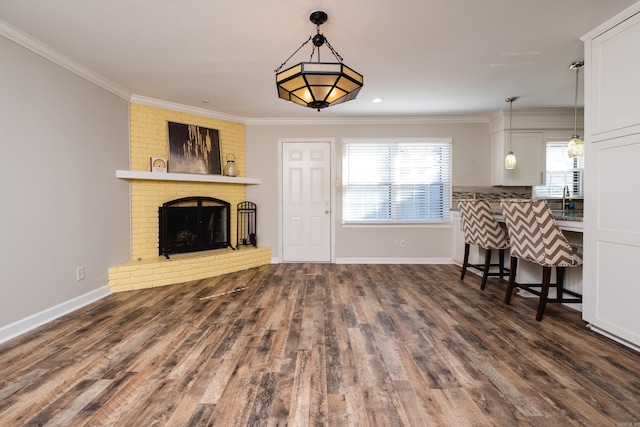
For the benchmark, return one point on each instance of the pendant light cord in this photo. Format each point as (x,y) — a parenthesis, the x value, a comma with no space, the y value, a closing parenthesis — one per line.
(510,122)
(575,109)
(510,101)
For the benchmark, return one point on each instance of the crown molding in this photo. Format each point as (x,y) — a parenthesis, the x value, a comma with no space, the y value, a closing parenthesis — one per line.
(173,106)
(47,52)
(533,119)
(289,121)
(386,120)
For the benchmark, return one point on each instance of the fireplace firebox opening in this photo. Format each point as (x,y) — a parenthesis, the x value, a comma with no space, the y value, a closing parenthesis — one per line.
(193,224)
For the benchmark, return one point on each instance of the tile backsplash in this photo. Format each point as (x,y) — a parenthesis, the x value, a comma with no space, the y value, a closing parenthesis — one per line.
(491,194)
(494,194)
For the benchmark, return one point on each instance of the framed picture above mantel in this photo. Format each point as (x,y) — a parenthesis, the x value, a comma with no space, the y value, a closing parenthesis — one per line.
(194,149)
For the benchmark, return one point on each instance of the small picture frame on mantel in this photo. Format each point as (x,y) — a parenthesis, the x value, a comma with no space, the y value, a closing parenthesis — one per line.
(159,164)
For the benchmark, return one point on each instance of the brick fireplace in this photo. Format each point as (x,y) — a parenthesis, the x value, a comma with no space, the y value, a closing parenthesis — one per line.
(148,138)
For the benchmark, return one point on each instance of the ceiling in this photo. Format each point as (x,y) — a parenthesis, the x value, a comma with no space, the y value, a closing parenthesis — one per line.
(424,58)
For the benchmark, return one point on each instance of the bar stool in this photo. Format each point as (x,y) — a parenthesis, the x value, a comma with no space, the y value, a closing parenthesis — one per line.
(534,236)
(481,228)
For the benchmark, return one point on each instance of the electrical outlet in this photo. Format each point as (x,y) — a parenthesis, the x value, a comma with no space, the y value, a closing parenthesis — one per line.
(403,243)
(80,273)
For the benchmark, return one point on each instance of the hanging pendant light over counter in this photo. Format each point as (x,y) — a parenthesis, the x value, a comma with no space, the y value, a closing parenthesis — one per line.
(510,159)
(576,145)
(318,84)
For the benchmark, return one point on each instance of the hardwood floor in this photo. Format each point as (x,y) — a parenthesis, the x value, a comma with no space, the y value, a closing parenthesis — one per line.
(319,344)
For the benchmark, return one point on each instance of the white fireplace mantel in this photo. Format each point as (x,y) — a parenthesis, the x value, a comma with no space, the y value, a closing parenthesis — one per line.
(159,176)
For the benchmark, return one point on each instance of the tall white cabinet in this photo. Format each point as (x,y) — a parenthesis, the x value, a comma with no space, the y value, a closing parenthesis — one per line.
(612,173)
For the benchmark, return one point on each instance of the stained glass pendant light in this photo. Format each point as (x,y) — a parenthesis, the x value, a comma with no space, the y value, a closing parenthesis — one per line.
(576,145)
(510,159)
(318,84)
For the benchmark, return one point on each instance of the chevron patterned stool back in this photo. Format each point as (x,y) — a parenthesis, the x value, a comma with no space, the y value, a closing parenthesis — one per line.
(481,228)
(535,236)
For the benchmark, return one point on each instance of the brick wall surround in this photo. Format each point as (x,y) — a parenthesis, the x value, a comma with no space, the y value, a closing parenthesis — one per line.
(149,138)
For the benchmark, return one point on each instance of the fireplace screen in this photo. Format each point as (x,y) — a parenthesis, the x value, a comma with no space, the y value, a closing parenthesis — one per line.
(193,224)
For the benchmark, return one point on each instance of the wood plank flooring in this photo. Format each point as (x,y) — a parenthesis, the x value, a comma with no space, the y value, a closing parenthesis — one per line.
(321,345)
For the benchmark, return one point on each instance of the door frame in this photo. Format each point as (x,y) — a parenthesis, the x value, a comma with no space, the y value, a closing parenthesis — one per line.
(332,191)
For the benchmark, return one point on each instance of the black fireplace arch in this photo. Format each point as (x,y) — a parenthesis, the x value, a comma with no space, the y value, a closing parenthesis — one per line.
(193,224)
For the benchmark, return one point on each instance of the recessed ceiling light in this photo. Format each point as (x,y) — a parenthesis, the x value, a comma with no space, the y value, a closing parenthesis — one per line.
(376,100)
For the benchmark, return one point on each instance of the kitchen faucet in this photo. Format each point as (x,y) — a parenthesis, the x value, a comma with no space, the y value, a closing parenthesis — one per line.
(565,197)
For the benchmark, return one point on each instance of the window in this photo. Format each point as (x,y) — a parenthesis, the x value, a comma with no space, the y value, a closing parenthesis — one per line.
(396,181)
(561,171)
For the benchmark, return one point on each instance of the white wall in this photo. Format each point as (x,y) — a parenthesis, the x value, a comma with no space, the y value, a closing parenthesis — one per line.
(471,167)
(62,138)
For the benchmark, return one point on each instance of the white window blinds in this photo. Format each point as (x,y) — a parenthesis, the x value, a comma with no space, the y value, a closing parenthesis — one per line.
(396,181)
(561,171)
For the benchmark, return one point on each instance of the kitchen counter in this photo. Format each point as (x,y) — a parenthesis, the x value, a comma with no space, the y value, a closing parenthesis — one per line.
(566,220)
(568,215)
(569,220)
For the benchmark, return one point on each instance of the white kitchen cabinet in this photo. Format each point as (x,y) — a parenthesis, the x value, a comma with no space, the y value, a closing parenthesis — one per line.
(613,85)
(612,128)
(529,149)
(458,243)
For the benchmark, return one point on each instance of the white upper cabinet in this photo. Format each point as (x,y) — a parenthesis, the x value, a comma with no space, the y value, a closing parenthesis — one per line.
(614,107)
(529,150)
(531,129)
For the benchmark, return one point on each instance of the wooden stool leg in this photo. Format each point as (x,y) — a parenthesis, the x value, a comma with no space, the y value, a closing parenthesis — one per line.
(487,266)
(512,279)
(544,292)
(501,256)
(560,281)
(466,260)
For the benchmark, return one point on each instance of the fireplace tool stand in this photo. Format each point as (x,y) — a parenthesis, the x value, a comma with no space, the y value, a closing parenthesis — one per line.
(247,225)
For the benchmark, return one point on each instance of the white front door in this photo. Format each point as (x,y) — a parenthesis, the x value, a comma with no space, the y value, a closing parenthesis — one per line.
(306,202)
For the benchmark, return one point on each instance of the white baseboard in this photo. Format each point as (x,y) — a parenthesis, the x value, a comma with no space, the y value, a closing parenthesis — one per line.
(394,261)
(275,260)
(38,319)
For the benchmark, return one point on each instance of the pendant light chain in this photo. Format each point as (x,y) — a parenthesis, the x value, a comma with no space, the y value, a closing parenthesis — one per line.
(313,50)
(336,54)
(292,55)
